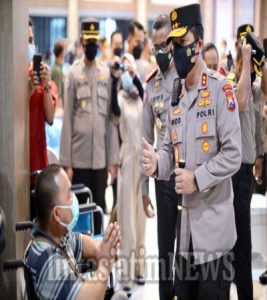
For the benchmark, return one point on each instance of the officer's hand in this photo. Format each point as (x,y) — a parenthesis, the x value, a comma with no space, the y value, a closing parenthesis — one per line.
(149,159)
(69,172)
(184,181)
(148,207)
(258,167)
(45,74)
(107,249)
(246,51)
(113,171)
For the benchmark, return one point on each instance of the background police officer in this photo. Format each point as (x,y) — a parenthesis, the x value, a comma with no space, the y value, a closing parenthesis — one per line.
(248,92)
(158,91)
(89,140)
(203,130)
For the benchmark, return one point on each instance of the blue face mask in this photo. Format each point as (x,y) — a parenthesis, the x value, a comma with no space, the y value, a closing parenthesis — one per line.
(75,213)
(127,81)
(31,52)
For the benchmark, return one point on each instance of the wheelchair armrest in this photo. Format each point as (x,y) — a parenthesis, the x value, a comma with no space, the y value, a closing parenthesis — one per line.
(77,186)
(24,225)
(87,207)
(12,265)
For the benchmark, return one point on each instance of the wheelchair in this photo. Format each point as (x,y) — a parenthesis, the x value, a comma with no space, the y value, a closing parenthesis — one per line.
(85,225)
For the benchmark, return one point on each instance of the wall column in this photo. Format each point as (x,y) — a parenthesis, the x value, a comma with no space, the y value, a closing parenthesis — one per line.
(14,149)
(73,21)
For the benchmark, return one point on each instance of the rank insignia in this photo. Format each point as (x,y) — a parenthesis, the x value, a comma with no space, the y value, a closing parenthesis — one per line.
(204,127)
(205,94)
(231,103)
(174,136)
(177,111)
(205,146)
(84,104)
(204,103)
(176,154)
(204,80)
(226,87)
(174,15)
(158,123)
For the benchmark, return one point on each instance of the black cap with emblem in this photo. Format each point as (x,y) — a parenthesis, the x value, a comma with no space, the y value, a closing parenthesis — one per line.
(183,18)
(90,29)
(258,54)
(243,30)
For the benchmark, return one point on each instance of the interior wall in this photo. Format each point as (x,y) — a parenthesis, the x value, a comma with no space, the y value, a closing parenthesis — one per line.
(13,133)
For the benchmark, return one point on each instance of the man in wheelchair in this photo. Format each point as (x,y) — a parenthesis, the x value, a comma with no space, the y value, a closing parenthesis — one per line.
(55,251)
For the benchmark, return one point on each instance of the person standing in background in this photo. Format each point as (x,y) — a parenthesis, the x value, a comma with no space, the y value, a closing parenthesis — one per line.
(211,56)
(158,93)
(116,44)
(42,93)
(248,92)
(144,64)
(89,139)
(131,216)
(57,75)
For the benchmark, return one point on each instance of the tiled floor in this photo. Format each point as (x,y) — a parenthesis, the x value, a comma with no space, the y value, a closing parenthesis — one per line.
(150,290)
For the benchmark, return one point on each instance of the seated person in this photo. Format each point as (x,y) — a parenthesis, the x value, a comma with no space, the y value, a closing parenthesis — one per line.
(55,251)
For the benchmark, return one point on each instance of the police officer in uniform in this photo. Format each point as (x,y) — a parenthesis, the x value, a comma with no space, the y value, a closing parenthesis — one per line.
(203,130)
(89,139)
(158,93)
(248,92)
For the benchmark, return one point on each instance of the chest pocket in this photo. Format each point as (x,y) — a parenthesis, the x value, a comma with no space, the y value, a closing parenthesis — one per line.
(206,140)
(102,97)
(84,98)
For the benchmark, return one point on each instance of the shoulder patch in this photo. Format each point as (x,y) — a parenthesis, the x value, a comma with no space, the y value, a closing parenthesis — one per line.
(152,74)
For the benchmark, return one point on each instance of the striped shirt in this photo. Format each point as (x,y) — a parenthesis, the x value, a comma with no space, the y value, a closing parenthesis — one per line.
(53,276)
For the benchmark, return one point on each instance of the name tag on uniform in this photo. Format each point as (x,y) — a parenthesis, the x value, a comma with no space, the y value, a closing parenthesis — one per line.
(206,113)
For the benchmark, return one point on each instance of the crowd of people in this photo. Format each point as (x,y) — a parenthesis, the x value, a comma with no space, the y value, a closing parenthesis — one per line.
(166,106)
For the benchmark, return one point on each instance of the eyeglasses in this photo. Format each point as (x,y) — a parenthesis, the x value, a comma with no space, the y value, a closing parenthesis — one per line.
(162,48)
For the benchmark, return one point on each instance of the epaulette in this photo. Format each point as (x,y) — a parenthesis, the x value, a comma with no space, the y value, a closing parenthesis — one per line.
(231,77)
(151,74)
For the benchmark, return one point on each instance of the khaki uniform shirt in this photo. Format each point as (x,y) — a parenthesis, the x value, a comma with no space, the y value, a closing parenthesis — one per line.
(89,139)
(204,131)
(158,94)
(250,122)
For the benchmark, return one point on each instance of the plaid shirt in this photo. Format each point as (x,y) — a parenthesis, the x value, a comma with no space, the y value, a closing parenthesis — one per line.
(53,276)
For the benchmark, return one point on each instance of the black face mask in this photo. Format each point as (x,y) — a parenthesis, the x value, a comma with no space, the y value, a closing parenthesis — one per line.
(163,61)
(118,51)
(252,77)
(182,58)
(90,51)
(137,51)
